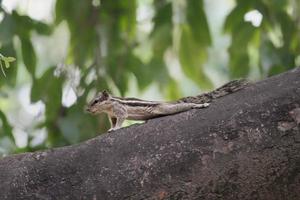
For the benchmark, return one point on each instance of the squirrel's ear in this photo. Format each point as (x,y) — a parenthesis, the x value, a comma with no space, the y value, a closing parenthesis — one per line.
(105,94)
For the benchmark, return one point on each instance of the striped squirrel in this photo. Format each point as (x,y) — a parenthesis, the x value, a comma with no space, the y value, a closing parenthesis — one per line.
(119,109)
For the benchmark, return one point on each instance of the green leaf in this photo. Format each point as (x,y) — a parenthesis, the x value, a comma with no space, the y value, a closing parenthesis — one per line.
(48,89)
(141,71)
(239,58)
(24,24)
(42,28)
(29,56)
(239,65)
(161,34)
(6,129)
(2,70)
(69,128)
(41,87)
(6,64)
(162,39)
(198,23)
(276,5)
(172,90)
(128,19)
(192,56)
(10,59)
(241,37)
(158,71)
(163,13)
(7,60)
(236,16)
(276,69)
(288,27)
(60,7)
(7,30)
(11,72)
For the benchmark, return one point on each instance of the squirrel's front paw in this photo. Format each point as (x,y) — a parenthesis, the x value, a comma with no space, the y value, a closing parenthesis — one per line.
(113,129)
(204,105)
(110,130)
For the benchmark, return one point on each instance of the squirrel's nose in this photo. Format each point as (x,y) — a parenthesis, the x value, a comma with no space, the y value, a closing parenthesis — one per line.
(87,109)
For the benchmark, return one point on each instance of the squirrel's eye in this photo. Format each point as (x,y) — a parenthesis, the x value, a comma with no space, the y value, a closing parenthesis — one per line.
(95,101)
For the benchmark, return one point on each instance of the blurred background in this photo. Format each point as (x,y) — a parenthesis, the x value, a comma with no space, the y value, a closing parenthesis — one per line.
(66,51)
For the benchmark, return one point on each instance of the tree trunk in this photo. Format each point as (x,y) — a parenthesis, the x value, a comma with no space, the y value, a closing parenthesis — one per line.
(243,146)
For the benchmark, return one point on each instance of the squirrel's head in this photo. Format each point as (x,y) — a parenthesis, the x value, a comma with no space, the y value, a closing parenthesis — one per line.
(99,103)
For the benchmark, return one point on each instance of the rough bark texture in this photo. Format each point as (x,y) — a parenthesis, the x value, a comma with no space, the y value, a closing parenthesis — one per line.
(244,146)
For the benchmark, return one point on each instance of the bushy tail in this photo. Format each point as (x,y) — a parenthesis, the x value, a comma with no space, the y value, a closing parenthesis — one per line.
(226,89)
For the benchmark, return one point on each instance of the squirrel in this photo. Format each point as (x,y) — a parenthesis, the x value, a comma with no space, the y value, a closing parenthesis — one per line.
(118,108)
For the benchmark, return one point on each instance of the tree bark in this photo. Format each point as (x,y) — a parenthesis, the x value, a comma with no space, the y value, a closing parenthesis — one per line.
(245,145)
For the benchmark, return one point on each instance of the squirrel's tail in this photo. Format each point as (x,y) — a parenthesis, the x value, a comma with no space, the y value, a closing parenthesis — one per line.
(226,89)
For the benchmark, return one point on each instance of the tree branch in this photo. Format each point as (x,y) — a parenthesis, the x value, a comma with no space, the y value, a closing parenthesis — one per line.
(244,146)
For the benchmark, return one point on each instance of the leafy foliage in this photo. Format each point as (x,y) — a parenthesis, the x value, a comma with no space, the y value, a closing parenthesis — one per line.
(7,61)
(108,47)
(276,39)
